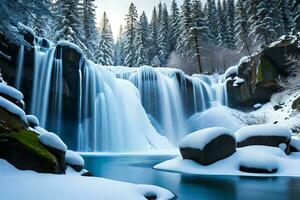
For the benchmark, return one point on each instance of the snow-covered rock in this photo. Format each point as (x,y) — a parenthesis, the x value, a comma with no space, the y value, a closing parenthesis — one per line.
(257,106)
(8,91)
(70,45)
(40,130)
(12,108)
(295,144)
(208,146)
(237,81)
(257,162)
(231,72)
(52,140)
(74,160)
(266,134)
(32,121)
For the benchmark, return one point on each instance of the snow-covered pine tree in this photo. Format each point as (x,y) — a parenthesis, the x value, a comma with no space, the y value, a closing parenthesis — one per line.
(119,49)
(242,39)
(104,53)
(295,8)
(164,36)
(174,25)
(130,33)
(221,24)
(89,25)
(142,41)
(230,20)
(154,25)
(262,27)
(212,20)
(155,62)
(184,42)
(42,22)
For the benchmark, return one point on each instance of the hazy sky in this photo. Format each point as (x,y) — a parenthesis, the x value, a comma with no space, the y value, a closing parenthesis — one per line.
(116,10)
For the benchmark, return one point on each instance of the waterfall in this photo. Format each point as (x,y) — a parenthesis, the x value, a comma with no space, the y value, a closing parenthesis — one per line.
(20,66)
(117,109)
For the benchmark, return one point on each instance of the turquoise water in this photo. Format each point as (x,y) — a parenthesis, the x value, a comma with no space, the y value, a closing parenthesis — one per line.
(138,169)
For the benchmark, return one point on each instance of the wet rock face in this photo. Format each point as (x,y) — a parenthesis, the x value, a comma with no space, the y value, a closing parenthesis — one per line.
(261,73)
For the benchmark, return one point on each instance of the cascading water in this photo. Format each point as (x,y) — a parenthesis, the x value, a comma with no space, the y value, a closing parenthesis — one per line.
(111,113)
(20,66)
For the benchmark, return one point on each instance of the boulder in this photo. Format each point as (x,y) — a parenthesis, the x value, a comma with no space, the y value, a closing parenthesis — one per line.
(258,163)
(296,104)
(87,173)
(267,135)
(208,146)
(261,71)
(74,160)
(24,151)
(295,144)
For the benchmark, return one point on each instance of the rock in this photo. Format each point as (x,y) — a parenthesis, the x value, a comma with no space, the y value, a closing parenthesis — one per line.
(208,146)
(87,173)
(32,121)
(258,163)
(295,144)
(261,71)
(267,135)
(24,151)
(296,104)
(277,107)
(74,160)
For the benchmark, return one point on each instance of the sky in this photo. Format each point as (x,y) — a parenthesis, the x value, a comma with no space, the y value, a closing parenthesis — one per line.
(116,10)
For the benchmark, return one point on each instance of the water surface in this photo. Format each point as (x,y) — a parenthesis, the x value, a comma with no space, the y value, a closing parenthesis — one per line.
(138,169)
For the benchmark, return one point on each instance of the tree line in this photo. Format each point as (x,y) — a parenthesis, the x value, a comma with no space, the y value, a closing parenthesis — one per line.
(193,31)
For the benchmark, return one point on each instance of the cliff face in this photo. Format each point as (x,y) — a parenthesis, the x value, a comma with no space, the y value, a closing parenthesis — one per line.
(261,71)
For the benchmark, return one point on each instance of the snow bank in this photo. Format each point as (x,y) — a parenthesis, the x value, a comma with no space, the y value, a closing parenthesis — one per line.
(287,165)
(52,140)
(199,139)
(74,158)
(11,92)
(258,160)
(262,130)
(32,120)
(11,107)
(35,186)
(220,116)
(70,45)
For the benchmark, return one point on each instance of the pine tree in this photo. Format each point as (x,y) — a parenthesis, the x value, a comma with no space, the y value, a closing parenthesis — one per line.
(119,49)
(287,17)
(174,26)
(164,36)
(230,20)
(242,28)
(154,25)
(69,28)
(184,42)
(142,41)
(221,24)
(212,20)
(104,53)
(130,33)
(89,25)
(295,8)
(263,27)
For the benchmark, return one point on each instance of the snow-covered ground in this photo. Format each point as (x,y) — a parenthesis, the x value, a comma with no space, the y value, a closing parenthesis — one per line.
(18,184)
(287,165)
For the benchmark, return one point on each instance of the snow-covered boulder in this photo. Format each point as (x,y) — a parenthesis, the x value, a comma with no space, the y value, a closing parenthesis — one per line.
(208,146)
(295,144)
(12,117)
(258,162)
(74,160)
(32,121)
(257,106)
(266,134)
(10,93)
(56,146)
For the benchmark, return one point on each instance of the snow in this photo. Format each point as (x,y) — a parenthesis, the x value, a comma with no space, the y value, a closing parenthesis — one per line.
(257,106)
(33,120)
(74,158)
(233,70)
(11,92)
(11,107)
(199,139)
(52,140)
(295,142)
(40,130)
(287,165)
(244,60)
(237,81)
(219,116)
(35,186)
(258,160)
(262,130)
(70,45)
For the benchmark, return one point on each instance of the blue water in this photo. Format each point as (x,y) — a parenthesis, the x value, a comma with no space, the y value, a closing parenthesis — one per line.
(138,169)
